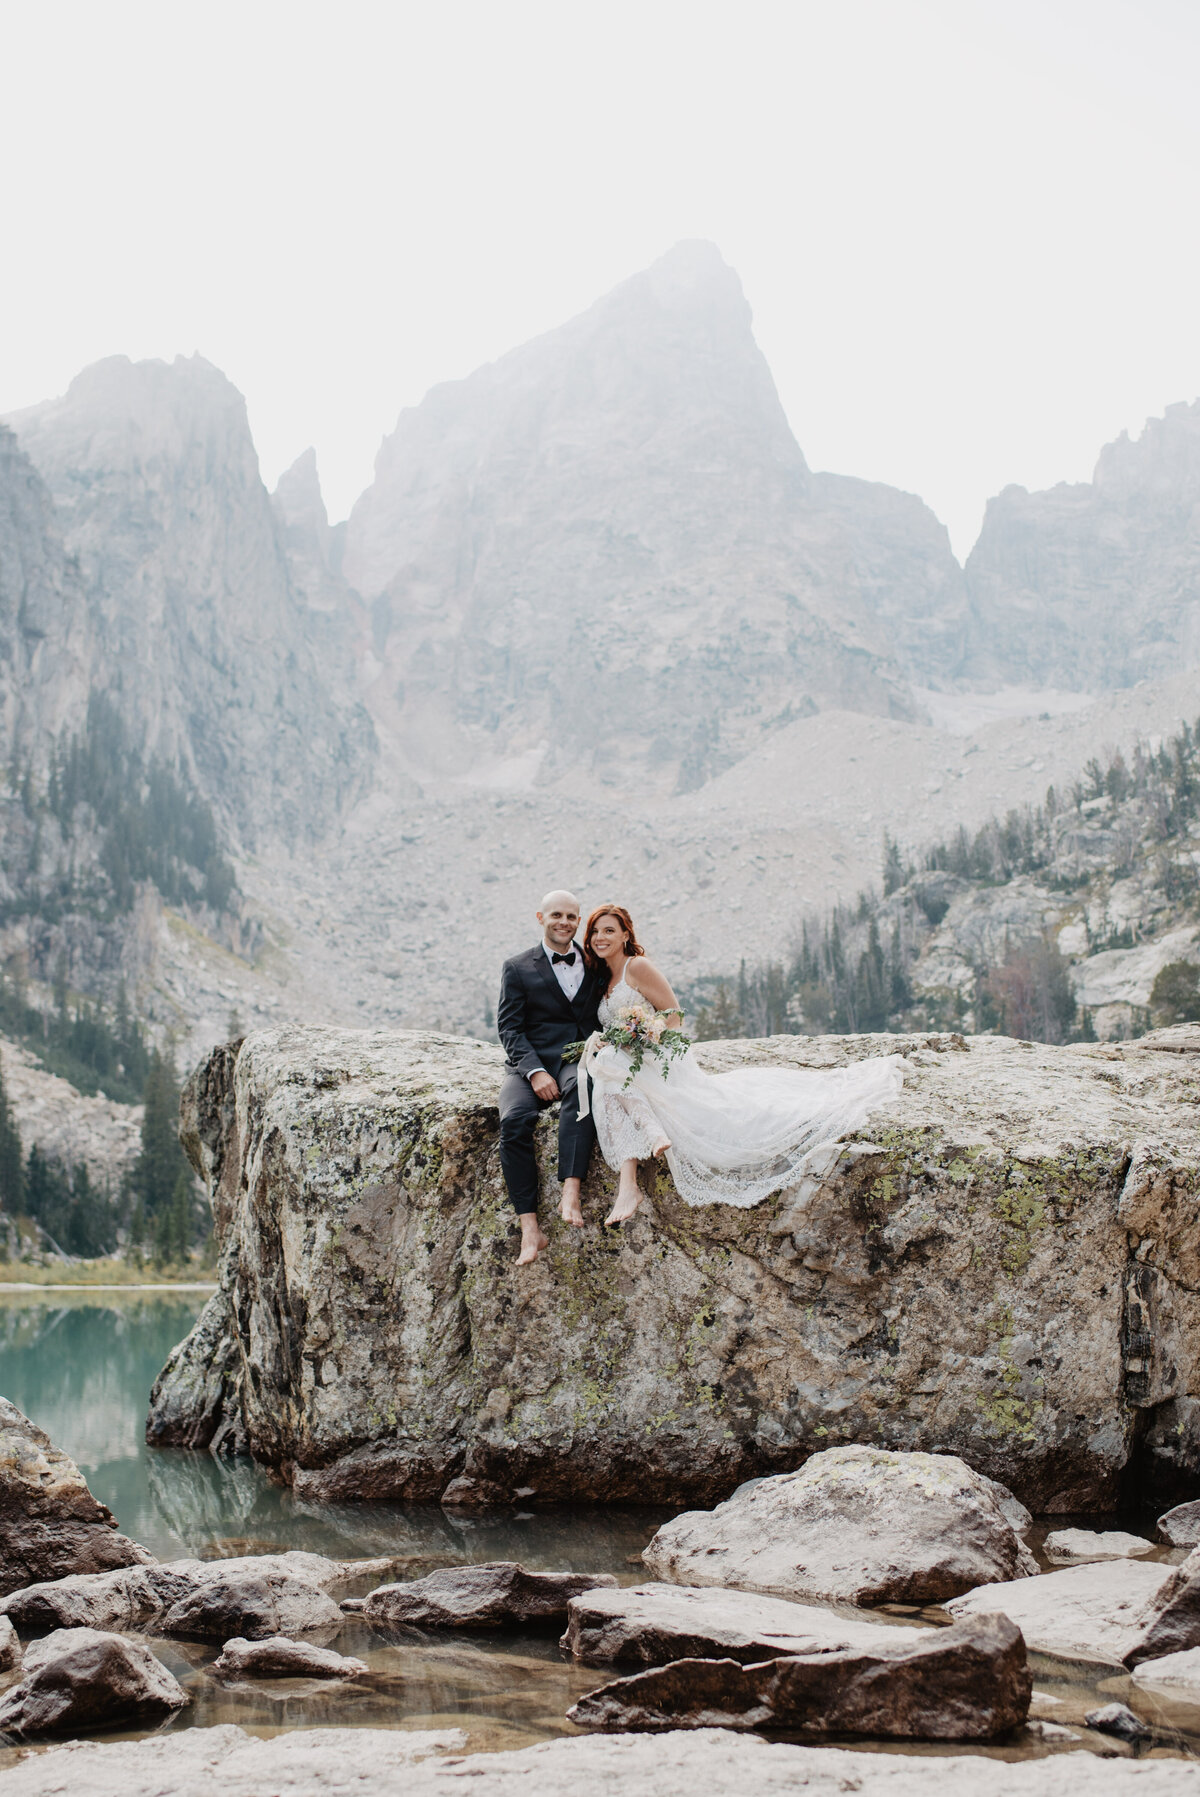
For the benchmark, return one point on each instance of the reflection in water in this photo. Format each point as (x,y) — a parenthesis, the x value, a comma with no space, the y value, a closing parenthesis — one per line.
(82,1364)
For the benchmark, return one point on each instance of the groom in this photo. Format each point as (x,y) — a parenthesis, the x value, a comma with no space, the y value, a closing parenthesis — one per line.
(547,999)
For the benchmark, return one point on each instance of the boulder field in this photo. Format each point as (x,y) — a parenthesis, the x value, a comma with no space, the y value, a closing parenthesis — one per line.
(1005,1265)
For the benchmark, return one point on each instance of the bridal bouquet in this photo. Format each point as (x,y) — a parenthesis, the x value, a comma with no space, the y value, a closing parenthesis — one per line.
(639,1031)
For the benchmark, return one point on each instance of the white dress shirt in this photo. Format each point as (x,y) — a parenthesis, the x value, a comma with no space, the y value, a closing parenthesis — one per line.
(569,978)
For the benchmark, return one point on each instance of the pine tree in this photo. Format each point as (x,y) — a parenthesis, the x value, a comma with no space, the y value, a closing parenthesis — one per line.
(162,1161)
(12,1181)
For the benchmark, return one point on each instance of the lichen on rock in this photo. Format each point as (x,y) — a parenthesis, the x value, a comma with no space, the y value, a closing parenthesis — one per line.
(1000,1268)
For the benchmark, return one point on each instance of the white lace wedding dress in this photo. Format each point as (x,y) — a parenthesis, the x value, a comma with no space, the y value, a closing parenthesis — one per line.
(734,1137)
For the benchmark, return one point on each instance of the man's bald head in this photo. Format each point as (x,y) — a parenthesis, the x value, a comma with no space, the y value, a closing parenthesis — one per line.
(559,900)
(558,915)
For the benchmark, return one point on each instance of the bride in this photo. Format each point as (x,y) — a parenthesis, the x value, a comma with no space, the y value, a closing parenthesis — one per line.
(728,1138)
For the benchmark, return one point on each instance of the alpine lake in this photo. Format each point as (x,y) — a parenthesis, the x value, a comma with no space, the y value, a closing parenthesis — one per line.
(80,1363)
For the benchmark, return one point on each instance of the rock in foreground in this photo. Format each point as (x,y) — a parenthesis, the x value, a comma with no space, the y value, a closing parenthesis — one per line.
(857,1524)
(1180,1527)
(277,1657)
(144,1596)
(500,1594)
(78,1679)
(648,1625)
(1077,1545)
(225,1762)
(1095,1612)
(50,1524)
(373,1337)
(966,1683)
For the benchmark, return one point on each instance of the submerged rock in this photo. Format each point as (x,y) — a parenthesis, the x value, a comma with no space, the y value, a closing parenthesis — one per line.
(84,1678)
(1177,1672)
(965,1683)
(50,1524)
(277,1657)
(501,1594)
(1087,1544)
(857,1524)
(648,1625)
(225,1762)
(1118,1719)
(1094,1612)
(1180,1527)
(964,1279)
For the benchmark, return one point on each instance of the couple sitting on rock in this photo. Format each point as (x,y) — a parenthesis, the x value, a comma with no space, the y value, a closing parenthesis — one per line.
(729,1138)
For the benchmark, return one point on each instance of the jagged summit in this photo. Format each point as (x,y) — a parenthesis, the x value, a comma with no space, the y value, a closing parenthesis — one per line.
(198,634)
(1095,584)
(615,520)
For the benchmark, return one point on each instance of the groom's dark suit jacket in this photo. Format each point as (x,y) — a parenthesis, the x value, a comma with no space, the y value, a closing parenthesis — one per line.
(535,1019)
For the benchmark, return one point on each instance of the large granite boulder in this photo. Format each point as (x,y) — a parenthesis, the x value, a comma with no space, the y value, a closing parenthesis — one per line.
(1099,1611)
(965,1683)
(1000,1268)
(50,1524)
(857,1524)
(78,1679)
(277,1657)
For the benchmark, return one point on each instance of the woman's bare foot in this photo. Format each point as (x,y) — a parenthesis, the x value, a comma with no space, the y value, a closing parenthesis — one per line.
(533,1238)
(659,1149)
(570,1209)
(629,1196)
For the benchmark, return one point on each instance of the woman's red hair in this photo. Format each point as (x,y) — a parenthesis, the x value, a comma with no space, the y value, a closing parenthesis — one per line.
(632,945)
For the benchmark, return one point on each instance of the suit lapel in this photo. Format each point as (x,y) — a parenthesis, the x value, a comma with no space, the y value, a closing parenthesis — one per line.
(543,971)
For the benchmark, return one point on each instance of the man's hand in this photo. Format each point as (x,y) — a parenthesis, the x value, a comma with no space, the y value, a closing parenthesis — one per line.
(544,1087)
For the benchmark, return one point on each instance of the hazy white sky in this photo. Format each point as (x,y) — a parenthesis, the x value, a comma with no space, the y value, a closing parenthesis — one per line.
(967,228)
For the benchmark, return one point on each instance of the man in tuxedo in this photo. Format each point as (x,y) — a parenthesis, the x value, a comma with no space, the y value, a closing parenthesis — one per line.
(548,998)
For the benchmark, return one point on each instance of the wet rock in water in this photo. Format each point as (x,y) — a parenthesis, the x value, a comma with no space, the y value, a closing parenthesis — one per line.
(1087,1544)
(50,1524)
(277,1657)
(1172,1617)
(1118,1719)
(1180,1527)
(1179,1673)
(140,1596)
(648,1625)
(1093,1612)
(501,1594)
(225,1762)
(254,1604)
(966,1683)
(10,1646)
(858,1524)
(85,1678)
(1004,1173)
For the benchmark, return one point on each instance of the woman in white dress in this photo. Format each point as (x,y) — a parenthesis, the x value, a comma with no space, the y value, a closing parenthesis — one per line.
(729,1138)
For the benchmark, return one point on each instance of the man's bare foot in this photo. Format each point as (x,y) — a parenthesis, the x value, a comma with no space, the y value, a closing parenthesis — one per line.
(533,1238)
(629,1196)
(570,1209)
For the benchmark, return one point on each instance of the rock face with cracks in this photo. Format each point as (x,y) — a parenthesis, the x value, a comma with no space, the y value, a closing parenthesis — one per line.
(855,1524)
(50,1524)
(965,1683)
(1005,1266)
(84,1678)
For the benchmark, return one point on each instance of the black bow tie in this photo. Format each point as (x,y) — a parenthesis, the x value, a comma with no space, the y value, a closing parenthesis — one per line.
(568,959)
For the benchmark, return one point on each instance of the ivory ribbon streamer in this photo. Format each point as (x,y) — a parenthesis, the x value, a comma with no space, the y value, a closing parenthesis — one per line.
(591,1049)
